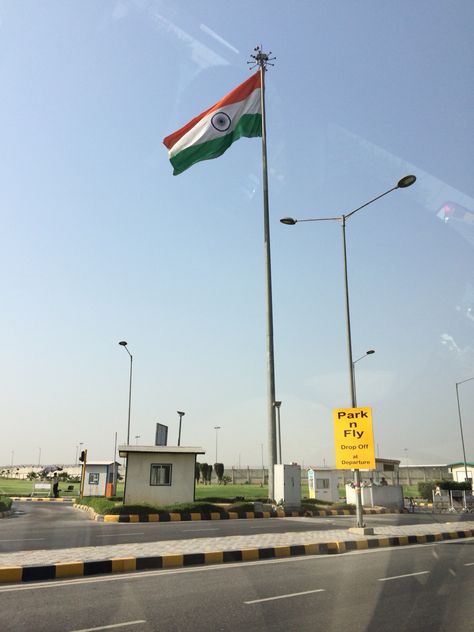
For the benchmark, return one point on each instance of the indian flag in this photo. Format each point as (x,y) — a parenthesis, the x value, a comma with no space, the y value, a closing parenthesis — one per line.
(212,132)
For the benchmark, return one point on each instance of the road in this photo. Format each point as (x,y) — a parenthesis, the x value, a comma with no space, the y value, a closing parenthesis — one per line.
(54,526)
(423,588)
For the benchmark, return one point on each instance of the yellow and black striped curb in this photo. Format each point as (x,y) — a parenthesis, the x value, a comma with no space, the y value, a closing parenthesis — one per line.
(12,574)
(227,515)
(33,499)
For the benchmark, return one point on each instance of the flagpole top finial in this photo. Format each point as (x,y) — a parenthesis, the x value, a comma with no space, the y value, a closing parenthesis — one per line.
(261,59)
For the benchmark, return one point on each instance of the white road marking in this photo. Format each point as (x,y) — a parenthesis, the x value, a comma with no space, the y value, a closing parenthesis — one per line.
(387,579)
(194,530)
(23,540)
(263,526)
(114,625)
(298,594)
(469,564)
(118,535)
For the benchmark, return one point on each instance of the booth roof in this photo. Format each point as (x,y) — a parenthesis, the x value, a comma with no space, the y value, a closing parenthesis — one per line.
(159,449)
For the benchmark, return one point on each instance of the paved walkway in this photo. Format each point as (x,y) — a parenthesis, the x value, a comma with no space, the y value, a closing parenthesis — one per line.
(232,543)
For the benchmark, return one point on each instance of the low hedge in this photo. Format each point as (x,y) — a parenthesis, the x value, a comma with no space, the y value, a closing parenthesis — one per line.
(98,504)
(5,503)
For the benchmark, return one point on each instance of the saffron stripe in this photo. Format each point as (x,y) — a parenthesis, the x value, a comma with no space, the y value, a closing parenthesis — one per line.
(238,94)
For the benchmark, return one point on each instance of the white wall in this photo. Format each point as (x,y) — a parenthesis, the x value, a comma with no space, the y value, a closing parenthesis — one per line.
(95,490)
(378,496)
(138,489)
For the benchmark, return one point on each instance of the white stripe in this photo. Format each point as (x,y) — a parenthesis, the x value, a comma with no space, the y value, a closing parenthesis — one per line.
(387,579)
(23,540)
(114,625)
(470,564)
(119,535)
(298,594)
(204,131)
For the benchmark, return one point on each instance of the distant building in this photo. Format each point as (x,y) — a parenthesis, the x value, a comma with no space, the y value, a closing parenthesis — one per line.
(459,471)
(100,478)
(159,475)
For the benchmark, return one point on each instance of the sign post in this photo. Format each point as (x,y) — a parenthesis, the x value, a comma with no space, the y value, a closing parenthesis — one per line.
(354,439)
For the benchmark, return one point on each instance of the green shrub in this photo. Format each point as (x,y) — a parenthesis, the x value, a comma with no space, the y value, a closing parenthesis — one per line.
(5,503)
(455,485)
(182,508)
(425,489)
(98,504)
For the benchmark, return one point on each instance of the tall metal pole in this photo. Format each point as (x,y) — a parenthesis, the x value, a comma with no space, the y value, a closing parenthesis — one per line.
(359,507)
(216,428)
(460,426)
(262,60)
(129,398)
(123,344)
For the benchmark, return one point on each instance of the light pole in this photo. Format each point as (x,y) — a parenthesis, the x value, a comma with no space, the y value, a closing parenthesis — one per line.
(401,184)
(181,415)
(39,457)
(216,428)
(460,427)
(369,352)
(277,406)
(123,343)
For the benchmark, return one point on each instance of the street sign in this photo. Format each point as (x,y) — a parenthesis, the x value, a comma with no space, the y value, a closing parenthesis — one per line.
(354,439)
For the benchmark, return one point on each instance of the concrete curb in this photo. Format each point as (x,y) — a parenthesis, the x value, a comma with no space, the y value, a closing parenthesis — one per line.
(26,499)
(230,515)
(5,514)
(16,574)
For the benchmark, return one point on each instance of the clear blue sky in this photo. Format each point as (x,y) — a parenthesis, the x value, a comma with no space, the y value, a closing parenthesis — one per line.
(100,243)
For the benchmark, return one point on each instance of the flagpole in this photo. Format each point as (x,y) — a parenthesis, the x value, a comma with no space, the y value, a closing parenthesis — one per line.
(262,60)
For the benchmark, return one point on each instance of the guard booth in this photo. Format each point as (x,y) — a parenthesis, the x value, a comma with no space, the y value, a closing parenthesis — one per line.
(100,478)
(323,484)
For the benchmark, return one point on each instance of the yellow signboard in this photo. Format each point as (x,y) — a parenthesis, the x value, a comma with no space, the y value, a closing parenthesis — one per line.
(354,439)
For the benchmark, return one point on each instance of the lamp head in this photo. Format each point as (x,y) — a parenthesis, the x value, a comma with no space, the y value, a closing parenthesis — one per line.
(289,221)
(405,182)
(123,343)
(370,352)
(180,413)
(277,404)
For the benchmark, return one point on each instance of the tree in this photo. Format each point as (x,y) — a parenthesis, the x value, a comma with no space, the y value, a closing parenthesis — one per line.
(209,473)
(197,471)
(31,475)
(219,470)
(203,469)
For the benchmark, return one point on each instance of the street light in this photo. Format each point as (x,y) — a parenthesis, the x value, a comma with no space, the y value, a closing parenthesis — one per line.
(401,184)
(460,427)
(369,352)
(124,345)
(181,415)
(277,406)
(216,428)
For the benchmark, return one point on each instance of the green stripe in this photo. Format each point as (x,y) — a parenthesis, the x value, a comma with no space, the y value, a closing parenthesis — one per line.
(249,125)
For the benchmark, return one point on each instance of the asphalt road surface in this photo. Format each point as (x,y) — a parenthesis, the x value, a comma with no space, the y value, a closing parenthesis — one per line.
(36,526)
(421,588)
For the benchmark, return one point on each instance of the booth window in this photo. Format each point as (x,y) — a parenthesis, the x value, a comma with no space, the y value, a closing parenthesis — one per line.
(322,483)
(160,474)
(93,478)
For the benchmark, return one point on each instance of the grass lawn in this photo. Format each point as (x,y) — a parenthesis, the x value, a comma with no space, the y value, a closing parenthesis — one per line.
(21,487)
